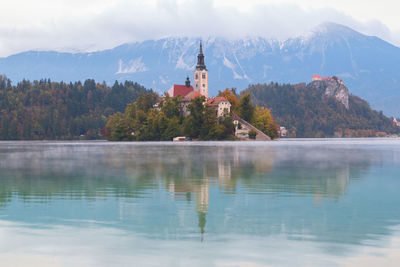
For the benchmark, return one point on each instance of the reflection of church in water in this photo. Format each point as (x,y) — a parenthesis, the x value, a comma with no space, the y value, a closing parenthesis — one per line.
(219,174)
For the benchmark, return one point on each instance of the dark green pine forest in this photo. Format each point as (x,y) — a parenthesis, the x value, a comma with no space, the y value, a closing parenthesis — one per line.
(41,110)
(306,112)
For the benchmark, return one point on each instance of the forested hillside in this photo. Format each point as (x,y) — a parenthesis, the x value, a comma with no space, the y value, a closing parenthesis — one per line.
(56,110)
(306,111)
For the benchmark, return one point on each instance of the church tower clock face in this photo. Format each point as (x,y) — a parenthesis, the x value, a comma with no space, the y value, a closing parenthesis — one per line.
(201,74)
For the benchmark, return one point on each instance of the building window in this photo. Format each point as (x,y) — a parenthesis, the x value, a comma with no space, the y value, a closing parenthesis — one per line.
(204,85)
(203,75)
(197,76)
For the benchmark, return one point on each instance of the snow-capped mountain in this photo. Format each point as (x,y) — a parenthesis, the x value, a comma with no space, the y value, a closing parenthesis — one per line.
(368,65)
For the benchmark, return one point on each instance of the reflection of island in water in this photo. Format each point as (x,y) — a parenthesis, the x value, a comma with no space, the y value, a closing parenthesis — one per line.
(253,189)
(220,167)
(293,173)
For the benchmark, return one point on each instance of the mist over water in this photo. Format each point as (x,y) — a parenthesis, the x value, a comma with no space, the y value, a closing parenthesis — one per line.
(296,202)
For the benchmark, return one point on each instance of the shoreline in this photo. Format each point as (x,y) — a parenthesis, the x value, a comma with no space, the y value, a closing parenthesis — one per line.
(285,141)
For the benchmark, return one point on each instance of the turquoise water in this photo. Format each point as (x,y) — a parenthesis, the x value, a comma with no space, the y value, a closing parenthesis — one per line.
(285,203)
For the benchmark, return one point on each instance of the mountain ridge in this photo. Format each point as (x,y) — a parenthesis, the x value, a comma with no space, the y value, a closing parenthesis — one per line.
(366,63)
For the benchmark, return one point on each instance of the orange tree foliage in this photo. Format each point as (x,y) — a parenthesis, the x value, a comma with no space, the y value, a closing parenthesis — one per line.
(264,121)
(260,117)
(231,97)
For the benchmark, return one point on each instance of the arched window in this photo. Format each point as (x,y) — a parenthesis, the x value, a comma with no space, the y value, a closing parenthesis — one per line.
(203,76)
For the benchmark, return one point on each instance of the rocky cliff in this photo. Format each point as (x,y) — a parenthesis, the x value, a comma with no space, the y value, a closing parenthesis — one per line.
(333,87)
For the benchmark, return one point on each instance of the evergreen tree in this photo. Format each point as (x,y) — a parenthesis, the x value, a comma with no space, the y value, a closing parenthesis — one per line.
(245,108)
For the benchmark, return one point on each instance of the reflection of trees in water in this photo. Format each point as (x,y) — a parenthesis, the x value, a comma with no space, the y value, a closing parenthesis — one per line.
(40,173)
(323,172)
(85,171)
(187,173)
(122,171)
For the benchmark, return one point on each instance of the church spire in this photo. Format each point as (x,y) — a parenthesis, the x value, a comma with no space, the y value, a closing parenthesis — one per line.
(200,59)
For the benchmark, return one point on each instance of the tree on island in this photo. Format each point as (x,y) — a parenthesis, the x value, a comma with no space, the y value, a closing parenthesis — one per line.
(245,108)
(259,117)
(231,96)
(145,121)
(252,134)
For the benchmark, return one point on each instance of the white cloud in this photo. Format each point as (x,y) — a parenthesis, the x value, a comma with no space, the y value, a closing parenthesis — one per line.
(99,24)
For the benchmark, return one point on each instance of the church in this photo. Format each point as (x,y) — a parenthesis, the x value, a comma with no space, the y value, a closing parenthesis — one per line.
(200,78)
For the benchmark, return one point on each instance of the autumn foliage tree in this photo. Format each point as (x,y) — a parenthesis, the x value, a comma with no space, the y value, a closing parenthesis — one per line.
(231,97)
(260,117)
(264,121)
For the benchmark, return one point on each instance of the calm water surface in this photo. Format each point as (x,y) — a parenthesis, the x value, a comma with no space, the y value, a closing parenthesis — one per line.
(285,203)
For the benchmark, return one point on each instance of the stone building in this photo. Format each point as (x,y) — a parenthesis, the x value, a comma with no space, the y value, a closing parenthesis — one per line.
(221,105)
(186,101)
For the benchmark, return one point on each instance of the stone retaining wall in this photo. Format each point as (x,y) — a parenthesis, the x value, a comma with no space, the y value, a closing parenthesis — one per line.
(260,135)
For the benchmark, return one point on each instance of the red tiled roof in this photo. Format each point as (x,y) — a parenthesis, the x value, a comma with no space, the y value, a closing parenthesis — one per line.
(216,100)
(316,76)
(192,95)
(181,90)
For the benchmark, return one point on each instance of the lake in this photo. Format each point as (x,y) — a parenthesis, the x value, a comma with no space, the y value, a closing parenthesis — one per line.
(316,202)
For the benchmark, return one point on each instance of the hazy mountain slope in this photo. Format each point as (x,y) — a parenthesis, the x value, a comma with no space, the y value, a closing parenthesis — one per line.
(368,65)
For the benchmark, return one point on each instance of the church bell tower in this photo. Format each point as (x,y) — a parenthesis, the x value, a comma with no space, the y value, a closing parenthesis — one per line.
(201,74)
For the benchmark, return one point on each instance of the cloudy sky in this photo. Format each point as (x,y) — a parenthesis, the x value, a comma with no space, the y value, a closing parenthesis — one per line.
(89,25)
